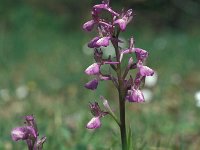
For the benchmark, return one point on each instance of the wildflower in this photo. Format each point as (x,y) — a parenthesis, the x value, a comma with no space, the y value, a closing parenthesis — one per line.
(129,89)
(23,133)
(104,5)
(141,54)
(29,133)
(144,70)
(92,85)
(88,26)
(135,95)
(92,43)
(104,41)
(93,69)
(95,122)
(126,18)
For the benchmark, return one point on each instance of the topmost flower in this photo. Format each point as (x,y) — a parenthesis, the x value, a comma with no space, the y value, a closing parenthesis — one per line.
(118,19)
(124,20)
(105,5)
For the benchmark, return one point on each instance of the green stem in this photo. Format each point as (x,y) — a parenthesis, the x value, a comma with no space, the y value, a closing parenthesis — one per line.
(122,112)
(123,124)
(121,92)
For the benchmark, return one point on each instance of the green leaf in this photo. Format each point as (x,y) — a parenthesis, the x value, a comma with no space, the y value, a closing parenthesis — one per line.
(129,139)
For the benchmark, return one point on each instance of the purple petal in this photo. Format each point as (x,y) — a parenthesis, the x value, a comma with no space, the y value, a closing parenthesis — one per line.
(141,54)
(18,133)
(88,26)
(145,71)
(101,6)
(94,123)
(122,24)
(92,43)
(135,95)
(92,85)
(29,118)
(104,41)
(93,69)
(23,133)
(105,5)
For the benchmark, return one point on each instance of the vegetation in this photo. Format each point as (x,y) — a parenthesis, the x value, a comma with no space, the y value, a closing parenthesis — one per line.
(41,65)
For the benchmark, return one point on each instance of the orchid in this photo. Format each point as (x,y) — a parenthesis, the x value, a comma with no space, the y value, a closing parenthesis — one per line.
(29,133)
(97,113)
(128,86)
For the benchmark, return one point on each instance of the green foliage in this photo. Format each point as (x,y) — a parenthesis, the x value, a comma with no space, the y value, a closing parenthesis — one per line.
(41,51)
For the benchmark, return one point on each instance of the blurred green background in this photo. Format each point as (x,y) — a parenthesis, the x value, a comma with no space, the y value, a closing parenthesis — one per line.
(43,55)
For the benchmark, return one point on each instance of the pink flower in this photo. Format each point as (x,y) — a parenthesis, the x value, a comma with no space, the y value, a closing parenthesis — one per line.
(145,71)
(92,85)
(93,69)
(88,26)
(29,133)
(104,41)
(94,123)
(135,95)
(23,133)
(97,113)
(141,54)
(92,43)
(105,5)
(122,22)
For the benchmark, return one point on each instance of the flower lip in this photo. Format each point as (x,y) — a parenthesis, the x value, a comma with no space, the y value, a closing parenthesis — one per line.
(135,95)
(18,133)
(145,71)
(93,69)
(23,133)
(92,85)
(94,123)
(104,41)
(92,43)
(89,25)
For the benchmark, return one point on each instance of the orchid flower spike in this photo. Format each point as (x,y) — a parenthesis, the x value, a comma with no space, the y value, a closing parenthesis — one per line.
(28,133)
